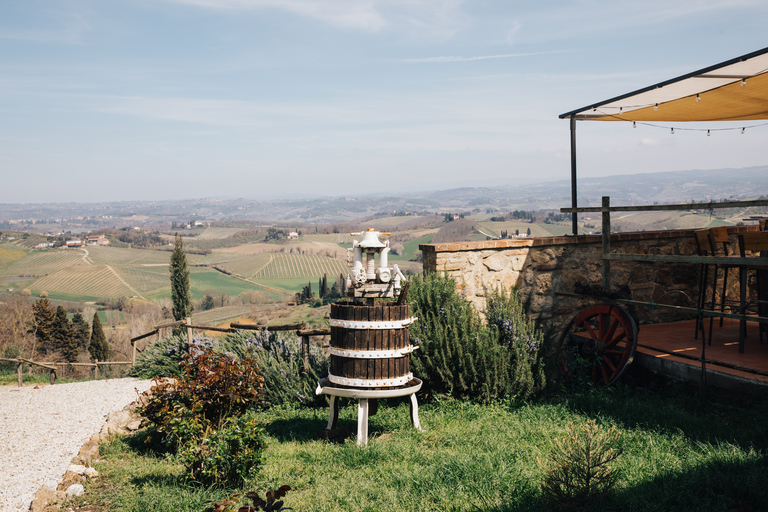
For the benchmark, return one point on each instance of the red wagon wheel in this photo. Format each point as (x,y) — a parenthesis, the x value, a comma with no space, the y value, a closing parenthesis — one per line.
(600,343)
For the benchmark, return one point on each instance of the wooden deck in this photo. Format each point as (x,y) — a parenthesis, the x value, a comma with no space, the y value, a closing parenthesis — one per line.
(678,337)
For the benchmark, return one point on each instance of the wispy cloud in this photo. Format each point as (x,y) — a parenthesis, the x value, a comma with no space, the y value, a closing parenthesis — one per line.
(479,57)
(346,13)
(426,16)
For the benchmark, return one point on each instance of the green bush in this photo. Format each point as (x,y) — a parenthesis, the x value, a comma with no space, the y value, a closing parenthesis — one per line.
(462,356)
(229,454)
(201,414)
(211,388)
(11,351)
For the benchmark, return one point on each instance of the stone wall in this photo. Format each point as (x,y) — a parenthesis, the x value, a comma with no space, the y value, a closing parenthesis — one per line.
(548,271)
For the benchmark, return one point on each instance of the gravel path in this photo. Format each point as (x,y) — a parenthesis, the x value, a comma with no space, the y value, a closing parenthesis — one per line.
(41,430)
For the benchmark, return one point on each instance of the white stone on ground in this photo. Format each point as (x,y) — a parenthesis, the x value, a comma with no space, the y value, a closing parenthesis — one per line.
(41,430)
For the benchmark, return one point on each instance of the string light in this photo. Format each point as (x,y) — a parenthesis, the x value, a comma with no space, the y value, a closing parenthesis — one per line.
(672,130)
(742,131)
(656,107)
(743,82)
(698,98)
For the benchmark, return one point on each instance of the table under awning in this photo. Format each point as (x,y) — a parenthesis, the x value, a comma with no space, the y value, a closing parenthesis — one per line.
(734,90)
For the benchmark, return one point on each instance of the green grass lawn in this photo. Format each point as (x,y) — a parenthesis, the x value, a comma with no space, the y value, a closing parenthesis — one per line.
(678,454)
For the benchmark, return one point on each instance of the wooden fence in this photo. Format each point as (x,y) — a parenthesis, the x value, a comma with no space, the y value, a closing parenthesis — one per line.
(53,366)
(301,330)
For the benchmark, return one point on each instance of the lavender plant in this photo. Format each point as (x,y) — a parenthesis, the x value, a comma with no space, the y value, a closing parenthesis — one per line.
(278,356)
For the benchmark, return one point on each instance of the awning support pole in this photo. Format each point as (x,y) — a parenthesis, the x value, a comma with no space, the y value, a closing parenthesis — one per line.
(574,215)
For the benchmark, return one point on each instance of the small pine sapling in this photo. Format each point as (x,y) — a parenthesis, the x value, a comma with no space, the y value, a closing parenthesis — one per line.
(579,467)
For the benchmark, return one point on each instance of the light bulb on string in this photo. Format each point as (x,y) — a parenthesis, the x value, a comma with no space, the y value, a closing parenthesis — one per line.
(742,131)
(698,98)
(672,131)
(656,107)
(708,134)
(743,82)
(634,124)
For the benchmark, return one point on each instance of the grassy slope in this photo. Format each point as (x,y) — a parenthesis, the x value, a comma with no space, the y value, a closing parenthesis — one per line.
(495,228)
(293,285)
(10,253)
(410,247)
(678,455)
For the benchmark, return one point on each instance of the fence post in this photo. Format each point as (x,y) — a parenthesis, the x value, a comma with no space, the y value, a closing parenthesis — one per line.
(53,377)
(606,242)
(133,353)
(305,351)
(19,373)
(96,370)
(188,322)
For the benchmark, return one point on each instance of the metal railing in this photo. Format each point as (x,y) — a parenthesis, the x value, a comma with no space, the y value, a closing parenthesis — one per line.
(606,209)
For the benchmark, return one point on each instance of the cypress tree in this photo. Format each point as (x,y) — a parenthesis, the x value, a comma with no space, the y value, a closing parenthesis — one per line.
(44,315)
(180,295)
(63,334)
(98,347)
(82,331)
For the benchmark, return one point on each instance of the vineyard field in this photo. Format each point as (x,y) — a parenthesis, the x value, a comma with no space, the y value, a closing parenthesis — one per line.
(288,266)
(42,263)
(145,279)
(90,280)
(218,233)
(247,267)
(125,256)
(204,279)
(215,316)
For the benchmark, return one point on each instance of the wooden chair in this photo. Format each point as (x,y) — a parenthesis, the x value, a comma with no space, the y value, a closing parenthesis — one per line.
(753,242)
(704,247)
(719,236)
(707,243)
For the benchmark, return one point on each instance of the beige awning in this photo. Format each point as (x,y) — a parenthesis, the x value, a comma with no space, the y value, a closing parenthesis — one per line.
(735,90)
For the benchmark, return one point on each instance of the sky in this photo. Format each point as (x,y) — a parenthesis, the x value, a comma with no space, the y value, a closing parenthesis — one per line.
(106,100)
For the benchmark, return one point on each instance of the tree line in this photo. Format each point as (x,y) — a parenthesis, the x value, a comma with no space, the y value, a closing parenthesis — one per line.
(55,332)
(325,294)
(532,216)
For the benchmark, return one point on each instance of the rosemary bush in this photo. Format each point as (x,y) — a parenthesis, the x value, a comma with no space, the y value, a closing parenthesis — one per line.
(506,314)
(462,356)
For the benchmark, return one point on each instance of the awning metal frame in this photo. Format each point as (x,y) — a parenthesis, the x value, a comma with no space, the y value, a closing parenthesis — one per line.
(574,115)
